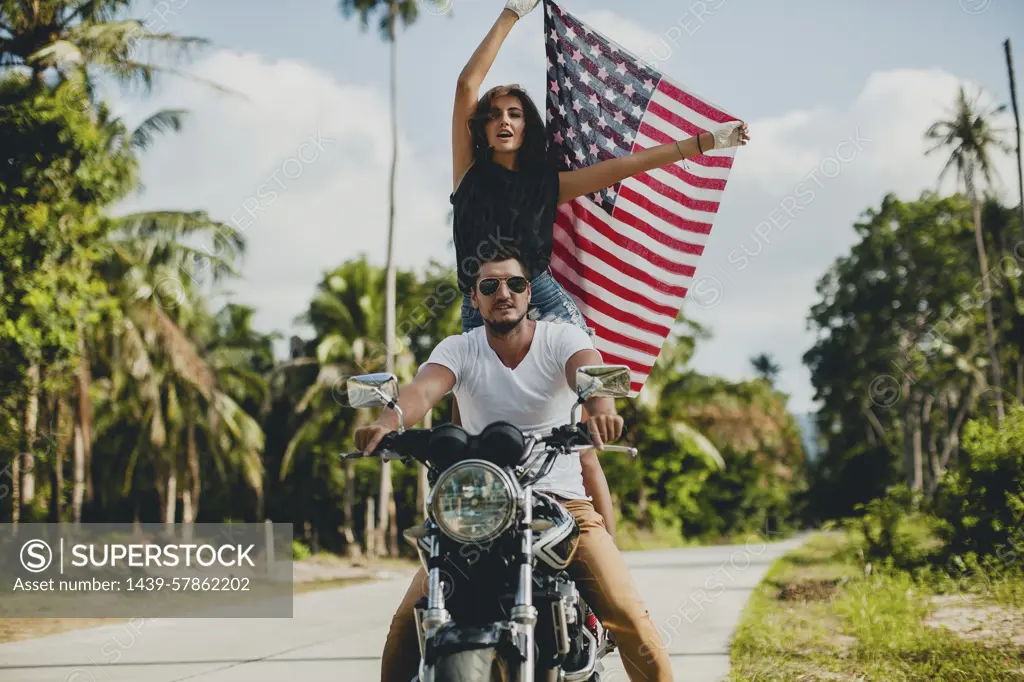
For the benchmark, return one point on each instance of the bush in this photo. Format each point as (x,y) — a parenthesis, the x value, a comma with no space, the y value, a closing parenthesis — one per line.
(983,500)
(894,533)
(300,551)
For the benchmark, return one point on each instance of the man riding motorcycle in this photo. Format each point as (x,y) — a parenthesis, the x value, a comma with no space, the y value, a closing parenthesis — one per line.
(522,371)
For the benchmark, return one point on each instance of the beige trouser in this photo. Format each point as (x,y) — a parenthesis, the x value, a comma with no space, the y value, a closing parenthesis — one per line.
(603,580)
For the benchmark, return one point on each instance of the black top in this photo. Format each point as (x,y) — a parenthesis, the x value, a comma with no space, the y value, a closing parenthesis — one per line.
(496,207)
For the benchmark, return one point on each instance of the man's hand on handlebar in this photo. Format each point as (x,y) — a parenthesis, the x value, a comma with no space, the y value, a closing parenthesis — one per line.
(369,437)
(605,428)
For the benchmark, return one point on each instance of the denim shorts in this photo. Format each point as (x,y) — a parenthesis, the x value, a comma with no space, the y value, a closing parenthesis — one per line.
(549,301)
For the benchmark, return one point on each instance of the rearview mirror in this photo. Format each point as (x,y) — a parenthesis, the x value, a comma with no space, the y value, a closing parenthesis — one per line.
(602,381)
(372,390)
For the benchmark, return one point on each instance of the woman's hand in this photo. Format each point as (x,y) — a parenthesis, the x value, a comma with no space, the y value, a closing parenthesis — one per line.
(522,7)
(732,134)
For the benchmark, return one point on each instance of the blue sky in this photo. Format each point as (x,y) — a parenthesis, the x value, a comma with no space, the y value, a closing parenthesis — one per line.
(805,75)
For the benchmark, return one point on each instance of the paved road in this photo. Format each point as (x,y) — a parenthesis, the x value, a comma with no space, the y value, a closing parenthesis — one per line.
(695,597)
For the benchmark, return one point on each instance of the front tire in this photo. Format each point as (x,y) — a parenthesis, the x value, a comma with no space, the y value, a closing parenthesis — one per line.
(474,665)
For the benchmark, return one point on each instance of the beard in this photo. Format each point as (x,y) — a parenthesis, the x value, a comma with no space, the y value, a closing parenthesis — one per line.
(503,328)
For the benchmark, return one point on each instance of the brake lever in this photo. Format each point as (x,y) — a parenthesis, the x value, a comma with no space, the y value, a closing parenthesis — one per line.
(633,452)
(384,454)
(381,451)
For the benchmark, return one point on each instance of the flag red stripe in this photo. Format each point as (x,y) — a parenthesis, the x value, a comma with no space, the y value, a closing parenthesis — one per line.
(676,169)
(590,275)
(590,248)
(612,359)
(615,263)
(702,159)
(691,102)
(674,119)
(674,195)
(623,316)
(623,340)
(627,194)
(654,259)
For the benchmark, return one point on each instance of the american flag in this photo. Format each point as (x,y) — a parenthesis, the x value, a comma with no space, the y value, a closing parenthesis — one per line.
(628,253)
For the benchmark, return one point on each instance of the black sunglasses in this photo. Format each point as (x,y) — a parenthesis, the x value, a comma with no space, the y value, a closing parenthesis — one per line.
(489,285)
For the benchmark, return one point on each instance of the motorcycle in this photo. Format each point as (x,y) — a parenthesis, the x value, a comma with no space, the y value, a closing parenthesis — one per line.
(500,604)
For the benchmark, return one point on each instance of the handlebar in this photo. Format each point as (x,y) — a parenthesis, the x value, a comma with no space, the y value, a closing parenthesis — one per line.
(620,448)
(383,450)
(386,455)
(575,439)
(607,448)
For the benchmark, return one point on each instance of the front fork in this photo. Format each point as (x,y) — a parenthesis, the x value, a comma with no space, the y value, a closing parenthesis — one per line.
(436,614)
(524,613)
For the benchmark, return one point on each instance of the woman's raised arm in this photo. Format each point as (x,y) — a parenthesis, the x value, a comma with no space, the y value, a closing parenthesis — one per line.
(467,90)
(588,180)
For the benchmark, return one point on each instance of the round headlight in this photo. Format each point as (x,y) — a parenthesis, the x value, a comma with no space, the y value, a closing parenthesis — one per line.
(473,501)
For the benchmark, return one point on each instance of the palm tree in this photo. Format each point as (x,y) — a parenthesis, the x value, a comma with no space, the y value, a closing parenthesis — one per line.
(389,12)
(765,367)
(969,138)
(346,314)
(167,372)
(65,38)
(147,269)
(69,36)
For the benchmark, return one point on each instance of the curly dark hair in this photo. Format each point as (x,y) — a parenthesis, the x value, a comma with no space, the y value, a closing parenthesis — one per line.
(534,151)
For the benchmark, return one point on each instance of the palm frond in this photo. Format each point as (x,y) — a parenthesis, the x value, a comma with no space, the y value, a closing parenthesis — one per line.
(180,349)
(247,431)
(137,360)
(157,428)
(328,305)
(328,377)
(333,346)
(704,445)
(150,236)
(133,458)
(59,54)
(305,434)
(160,122)
(94,10)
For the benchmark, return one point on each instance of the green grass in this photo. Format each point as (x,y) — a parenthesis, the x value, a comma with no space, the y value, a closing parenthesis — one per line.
(872,628)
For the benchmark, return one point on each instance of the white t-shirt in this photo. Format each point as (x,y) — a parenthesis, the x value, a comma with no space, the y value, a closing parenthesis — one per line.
(535,396)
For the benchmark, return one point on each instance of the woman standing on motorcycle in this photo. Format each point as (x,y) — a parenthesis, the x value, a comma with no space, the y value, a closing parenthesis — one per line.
(506,188)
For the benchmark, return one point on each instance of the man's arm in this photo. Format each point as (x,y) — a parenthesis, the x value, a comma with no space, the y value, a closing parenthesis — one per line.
(594,480)
(605,422)
(424,392)
(596,485)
